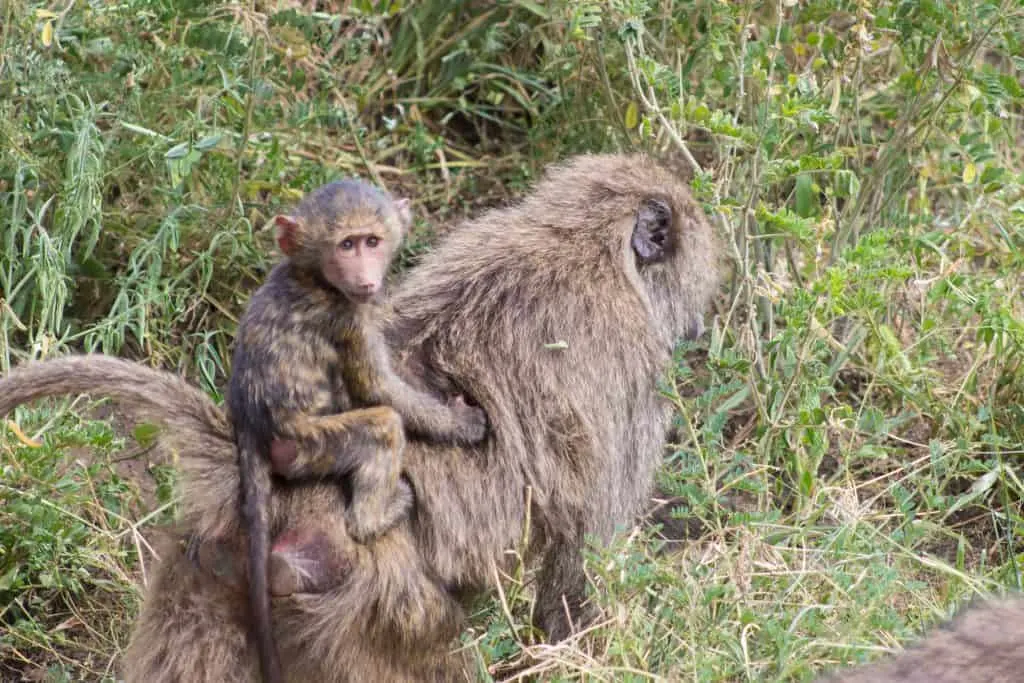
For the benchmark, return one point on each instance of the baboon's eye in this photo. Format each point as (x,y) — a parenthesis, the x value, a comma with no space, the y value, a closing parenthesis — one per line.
(346,244)
(372,241)
(652,233)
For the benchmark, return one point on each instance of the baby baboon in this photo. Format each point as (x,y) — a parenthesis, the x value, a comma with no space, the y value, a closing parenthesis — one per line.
(308,363)
(982,644)
(558,316)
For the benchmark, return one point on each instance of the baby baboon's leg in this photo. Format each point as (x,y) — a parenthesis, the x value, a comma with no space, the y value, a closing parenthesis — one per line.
(334,445)
(367,443)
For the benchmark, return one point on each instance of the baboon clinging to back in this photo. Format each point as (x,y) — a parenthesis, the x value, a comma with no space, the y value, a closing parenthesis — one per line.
(312,393)
(610,256)
(982,644)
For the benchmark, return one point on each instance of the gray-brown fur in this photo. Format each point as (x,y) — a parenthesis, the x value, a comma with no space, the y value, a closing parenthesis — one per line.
(982,644)
(311,375)
(581,426)
(193,624)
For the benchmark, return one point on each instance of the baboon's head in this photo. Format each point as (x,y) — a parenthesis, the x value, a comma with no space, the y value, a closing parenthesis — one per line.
(345,234)
(583,286)
(641,221)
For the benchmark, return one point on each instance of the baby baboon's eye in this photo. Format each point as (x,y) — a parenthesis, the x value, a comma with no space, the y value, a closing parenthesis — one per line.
(346,244)
(372,241)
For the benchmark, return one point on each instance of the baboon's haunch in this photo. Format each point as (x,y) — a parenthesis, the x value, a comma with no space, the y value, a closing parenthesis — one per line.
(610,255)
(308,365)
(982,644)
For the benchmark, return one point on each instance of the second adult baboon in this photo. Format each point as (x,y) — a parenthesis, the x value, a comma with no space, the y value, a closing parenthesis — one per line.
(558,316)
(982,644)
(312,393)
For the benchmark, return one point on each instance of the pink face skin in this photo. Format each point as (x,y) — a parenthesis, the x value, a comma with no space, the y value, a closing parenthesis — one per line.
(356,266)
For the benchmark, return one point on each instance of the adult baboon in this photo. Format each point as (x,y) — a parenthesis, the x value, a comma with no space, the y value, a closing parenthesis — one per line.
(982,644)
(558,316)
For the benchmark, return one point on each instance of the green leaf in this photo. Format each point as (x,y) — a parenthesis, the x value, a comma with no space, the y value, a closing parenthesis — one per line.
(142,130)
(847,184)
(970,172)
(632,116)
(209,142)
(177,152)
(145,433)
(805,196)
(7,580)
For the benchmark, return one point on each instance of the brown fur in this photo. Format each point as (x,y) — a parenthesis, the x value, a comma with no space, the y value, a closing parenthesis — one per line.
(308,353)
(193,623)
(581,426)
(983,644)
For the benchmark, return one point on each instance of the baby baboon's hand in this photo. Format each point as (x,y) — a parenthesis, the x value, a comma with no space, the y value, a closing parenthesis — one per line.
(218,558)
(472,420)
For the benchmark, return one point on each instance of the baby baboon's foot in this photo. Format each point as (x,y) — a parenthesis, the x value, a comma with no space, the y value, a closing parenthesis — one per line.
(305,561)
(283,453)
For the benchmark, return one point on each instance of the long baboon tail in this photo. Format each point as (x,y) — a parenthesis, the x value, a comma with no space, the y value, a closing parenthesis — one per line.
(145,392)
(196,429)
(256,483)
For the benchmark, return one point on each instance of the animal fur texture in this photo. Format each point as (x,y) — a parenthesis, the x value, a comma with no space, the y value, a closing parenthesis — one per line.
(982,644)
(558,316)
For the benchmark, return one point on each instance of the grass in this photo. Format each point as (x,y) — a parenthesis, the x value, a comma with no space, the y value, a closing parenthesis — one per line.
(849,432)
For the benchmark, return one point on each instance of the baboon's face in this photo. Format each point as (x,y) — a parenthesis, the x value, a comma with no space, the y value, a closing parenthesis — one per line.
(356,255)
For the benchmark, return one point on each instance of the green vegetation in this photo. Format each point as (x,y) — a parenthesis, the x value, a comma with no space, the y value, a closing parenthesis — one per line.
(850,432)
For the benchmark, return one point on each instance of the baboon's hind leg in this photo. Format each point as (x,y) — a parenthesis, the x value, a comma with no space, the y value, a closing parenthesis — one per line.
(367,444)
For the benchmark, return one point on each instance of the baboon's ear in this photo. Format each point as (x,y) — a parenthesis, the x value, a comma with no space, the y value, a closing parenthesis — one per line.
(652,233)
(288,228)
(404,208)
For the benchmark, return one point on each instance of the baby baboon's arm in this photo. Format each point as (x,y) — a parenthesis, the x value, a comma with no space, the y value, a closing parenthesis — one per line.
(376,382)
(312,447)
